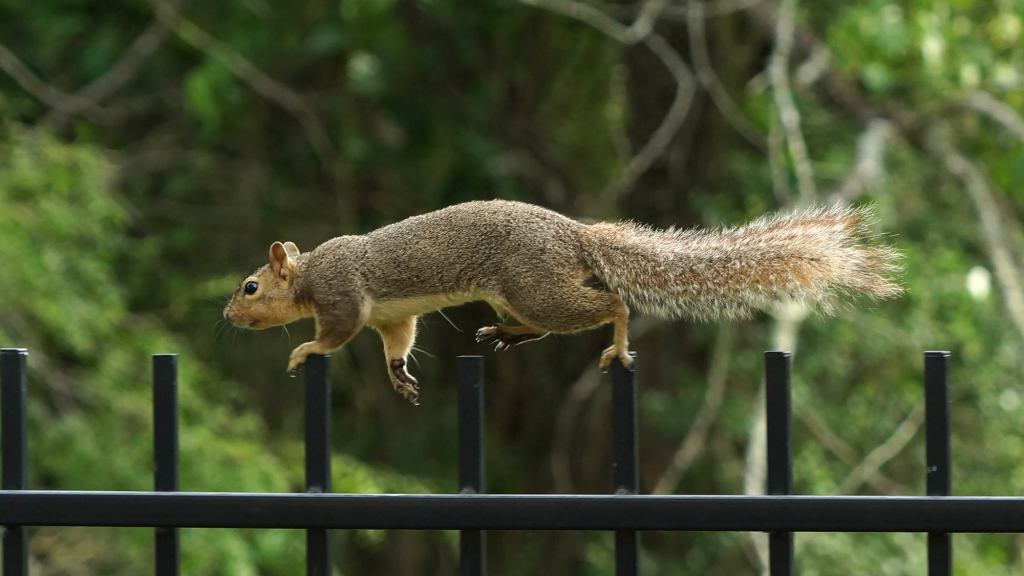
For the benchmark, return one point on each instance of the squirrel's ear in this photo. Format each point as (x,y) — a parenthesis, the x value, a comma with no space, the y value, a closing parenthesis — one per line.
(291,249)
(278,257)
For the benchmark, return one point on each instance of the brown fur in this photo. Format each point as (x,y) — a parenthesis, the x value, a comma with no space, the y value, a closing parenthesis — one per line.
(533,264)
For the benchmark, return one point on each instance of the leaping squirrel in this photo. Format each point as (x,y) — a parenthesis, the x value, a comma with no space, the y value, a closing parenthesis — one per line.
(554,274)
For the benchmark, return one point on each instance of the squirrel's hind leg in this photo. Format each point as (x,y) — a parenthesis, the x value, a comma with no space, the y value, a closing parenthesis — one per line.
(398,339)
(620,341)
(566,308)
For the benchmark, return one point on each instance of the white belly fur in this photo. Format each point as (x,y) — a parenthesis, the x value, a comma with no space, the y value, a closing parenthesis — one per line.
(390,311)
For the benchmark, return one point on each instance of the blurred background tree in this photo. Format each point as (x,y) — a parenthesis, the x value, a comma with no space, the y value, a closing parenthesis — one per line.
(151,151)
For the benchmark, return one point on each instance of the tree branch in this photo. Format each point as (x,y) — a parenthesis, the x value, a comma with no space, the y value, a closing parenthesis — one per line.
(997,110)
(709,80)
(708,9)
(691,446)
(46,93)
(123,70)
(813,68)
(784,337)
(260,82)
(843,89)
(579,393)
(777,162)
(991,223)
(670,124)
(873,462)
(834,444)
(778,73)
(639,31)
(869,166)
(641,27)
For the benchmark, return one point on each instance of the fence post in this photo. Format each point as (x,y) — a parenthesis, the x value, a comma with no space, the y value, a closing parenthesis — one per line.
(624,459)
(469,374)
(318,456)
(13,383)
(938,474)
(165,452)
(780,453)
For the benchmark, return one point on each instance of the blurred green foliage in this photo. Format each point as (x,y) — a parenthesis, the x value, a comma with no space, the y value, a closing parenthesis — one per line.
(127,221)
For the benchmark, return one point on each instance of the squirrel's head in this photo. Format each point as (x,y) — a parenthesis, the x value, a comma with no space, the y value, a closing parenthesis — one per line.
(268,296)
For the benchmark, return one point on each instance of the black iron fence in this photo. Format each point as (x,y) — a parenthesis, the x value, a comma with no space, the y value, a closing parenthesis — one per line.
(471,511)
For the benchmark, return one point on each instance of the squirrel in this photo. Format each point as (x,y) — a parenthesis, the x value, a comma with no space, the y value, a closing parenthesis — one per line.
(553,274)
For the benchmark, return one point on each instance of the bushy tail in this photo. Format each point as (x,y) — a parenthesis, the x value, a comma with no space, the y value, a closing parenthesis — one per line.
(813,256)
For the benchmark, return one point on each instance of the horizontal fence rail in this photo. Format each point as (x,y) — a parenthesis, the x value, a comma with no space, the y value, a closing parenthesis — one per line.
(473,512)
(515,511)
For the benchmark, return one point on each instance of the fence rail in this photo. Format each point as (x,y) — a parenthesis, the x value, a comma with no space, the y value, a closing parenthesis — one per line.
(471,510)
(515,511)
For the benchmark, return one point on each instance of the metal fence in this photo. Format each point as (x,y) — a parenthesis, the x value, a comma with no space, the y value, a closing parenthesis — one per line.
(471,510)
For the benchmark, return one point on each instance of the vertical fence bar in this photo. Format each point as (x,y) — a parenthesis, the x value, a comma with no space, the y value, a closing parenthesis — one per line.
(318,456)
(624,460)
(13,384)
(780,453)
(469,372)
(165,454)
(939,479)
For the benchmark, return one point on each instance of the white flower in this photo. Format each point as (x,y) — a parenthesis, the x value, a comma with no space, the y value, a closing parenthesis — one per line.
(363,66)
(1009,400)
(970,75)
(1005,75)
(932,48)
(979,283)
(1007,28)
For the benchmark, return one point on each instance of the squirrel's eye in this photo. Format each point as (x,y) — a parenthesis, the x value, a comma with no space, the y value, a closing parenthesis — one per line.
(250,287)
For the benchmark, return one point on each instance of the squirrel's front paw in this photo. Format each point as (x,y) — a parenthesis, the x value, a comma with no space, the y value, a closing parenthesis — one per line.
(403,382)
(294,364)
(298,358)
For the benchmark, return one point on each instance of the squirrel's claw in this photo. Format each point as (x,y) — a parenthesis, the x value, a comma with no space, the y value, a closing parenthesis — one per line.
(486,334)
(403,382)
(612,352)
(298,358)
(409,394)
(503,340)
(493,335)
